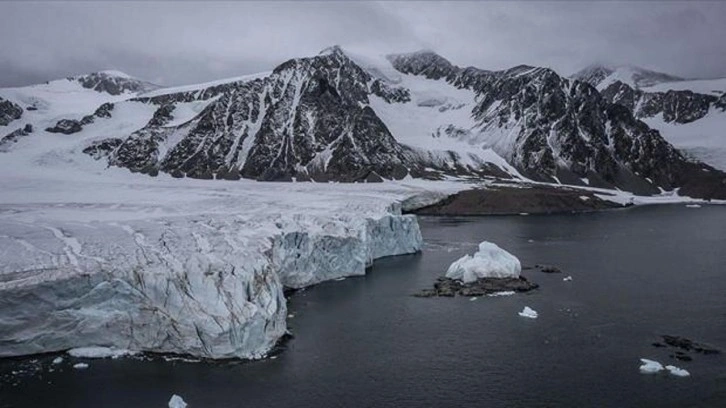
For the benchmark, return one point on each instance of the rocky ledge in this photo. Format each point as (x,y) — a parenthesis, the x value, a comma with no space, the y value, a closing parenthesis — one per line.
(451,287)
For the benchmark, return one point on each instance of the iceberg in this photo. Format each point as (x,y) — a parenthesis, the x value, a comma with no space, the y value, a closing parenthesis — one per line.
(678,372)
(529,313)
(490,261)
(57,360)
(177,402)
(80,366)
(650,366)
(567,278)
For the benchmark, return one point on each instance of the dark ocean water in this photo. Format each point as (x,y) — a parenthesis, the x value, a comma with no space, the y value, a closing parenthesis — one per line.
(365,342)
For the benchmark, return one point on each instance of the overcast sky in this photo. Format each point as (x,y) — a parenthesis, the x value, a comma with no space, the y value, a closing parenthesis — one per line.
(173,43)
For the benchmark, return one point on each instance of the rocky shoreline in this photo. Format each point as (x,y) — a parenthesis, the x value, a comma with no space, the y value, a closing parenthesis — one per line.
(447,287)
(518,199)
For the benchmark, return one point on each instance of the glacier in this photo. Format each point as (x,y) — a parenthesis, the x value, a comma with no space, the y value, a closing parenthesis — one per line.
(202,276)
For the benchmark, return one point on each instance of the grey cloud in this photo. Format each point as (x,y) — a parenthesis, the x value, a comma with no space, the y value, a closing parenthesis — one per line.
(183,42)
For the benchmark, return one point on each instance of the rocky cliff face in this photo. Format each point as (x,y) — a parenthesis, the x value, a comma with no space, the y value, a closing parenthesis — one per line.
(9,111)
(682,106)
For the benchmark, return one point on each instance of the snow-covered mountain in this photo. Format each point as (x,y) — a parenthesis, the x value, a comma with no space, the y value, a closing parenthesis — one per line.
(601,76)
(691,114)
(346,117)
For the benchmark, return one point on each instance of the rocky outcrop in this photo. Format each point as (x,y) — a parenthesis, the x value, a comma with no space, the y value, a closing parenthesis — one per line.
(66,126)
(13,137)
(9,112)
(113,83)
(676,106)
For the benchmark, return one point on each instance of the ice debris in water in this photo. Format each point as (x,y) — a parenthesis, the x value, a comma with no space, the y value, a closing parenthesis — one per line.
(650,366)
(502,293)
(567,278)
(99,352)
(473,299)
(679,372)
(80,366)
(177,402)
(489,262)
(57,360)
(528,312)
(693,206)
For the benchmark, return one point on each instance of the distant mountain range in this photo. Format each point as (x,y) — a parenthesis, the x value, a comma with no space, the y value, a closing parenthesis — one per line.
(339,116)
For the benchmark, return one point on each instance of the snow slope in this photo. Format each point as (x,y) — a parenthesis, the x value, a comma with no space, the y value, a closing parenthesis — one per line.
(705,86)
(704,139)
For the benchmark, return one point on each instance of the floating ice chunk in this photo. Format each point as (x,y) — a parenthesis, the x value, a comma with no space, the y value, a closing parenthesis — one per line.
(80,366)
(679,372)
(489,262)
(502,293)
(523,213)
(650,366)
(567,278)
(177,402)
(57,360)
(528,312)
(99,352)
(473,299)
(693,205)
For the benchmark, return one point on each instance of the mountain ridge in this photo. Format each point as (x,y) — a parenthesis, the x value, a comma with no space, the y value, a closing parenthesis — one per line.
(326,118)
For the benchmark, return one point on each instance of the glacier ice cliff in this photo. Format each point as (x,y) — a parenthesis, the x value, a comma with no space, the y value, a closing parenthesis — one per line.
(205,282)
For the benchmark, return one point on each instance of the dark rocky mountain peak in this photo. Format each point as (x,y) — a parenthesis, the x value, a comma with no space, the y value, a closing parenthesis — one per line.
(113,83)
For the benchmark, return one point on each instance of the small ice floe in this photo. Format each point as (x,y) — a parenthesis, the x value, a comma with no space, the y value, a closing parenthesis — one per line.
(650,366)
(567,278)
(502,293)
(342,278)
(678,372)
(80,366)
(693,206)
(99,352)
(57,360)
(528,312)
(523,213)
(530,240)
(290,316)
(177,402)
(473,299)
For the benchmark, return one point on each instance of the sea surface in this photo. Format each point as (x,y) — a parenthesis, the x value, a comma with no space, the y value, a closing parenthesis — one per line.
(366,342)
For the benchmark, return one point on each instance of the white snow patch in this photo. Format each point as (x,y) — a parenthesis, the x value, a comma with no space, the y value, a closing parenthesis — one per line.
(489,261)
(57,360)
(529,313)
